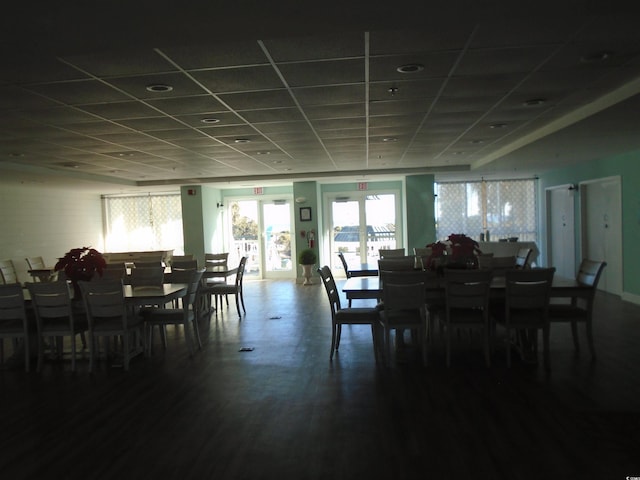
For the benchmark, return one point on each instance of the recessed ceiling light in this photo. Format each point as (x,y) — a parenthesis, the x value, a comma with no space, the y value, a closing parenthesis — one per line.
(457,153)
(596,57)
(277,162)
(476,141)
(389,139)
(16,154)
(263,153)
(159,87)
(210,120)
(534,102)
(410,68)
(498,125)
(242,140)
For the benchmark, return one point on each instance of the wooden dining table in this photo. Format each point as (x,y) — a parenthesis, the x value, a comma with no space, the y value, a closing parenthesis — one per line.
(369,287)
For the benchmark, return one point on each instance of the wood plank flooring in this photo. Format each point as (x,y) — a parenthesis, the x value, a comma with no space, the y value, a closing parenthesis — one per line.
(283,411)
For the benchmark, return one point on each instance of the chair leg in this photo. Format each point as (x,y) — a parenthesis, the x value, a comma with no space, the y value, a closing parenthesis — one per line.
(338,335)
(592,347)
(242,301)
(73,352)
(574,333)
(237,295)
(545,345)
(333,341)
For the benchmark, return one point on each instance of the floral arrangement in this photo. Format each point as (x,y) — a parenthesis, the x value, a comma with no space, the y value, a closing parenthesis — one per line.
(81,264)
(461,248)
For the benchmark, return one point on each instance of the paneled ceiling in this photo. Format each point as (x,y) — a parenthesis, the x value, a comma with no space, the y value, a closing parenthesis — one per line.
(275,92)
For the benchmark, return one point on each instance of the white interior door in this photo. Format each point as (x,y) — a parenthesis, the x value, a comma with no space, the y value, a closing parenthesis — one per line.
(602,228)
(561,230)
(362,224)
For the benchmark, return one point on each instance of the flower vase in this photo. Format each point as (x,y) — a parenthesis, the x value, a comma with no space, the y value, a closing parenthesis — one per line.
(306,273)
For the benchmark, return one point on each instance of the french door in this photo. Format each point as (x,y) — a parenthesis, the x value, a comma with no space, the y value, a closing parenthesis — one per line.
(361,224)
(261,231)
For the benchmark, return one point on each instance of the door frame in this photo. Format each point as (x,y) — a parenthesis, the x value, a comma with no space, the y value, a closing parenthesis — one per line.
(260,200)
(549,217)
(615,267)
(329,197)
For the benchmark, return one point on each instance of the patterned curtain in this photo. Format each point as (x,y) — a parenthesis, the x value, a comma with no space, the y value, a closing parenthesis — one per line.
(142,223)
(506,208)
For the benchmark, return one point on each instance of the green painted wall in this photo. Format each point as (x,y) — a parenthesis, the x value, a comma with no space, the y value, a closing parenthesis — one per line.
(192,225)
(420,202)
(200,219)
(307,191)
(628,168)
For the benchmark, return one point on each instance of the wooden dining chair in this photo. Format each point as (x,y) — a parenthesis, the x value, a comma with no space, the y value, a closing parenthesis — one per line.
(108,316)
(422,255)
(8,273)
(397,263)
(466,306)
(580,308)
(14,323)
(185,315)
(223,289)
(152,276)
(526,310)
(347,315)
(523,258)
(404,307)
(41,273)
(55,318)
(391,252)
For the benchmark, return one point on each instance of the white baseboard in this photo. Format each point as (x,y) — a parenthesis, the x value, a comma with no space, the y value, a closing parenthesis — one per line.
(631,297)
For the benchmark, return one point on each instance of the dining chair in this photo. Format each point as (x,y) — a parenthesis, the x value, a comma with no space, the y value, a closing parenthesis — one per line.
(404,307)
(500,265)
(391,252)
(466,306)
(347,315)
(113,271)
(422,255)
(523,258)
(14,323)
(108,316)
(216,260)
(37,263)
(8,272)
(397,263)
(345,266)
(218,290)
(184,265)
(142,277)
(55,318)
(526,310)
(145,264)
(580,308)
(181,258)
(185,315)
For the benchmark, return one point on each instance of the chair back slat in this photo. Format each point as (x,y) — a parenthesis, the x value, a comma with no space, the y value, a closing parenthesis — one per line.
(12,306)
(528,289)
(8,272)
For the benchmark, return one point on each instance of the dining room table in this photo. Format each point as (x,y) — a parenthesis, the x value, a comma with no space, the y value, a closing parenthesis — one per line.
(370,287)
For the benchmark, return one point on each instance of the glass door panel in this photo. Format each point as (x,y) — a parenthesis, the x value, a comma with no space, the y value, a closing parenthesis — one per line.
(244,234)
(381,225)
(361,226)
(347,235)
(277,239)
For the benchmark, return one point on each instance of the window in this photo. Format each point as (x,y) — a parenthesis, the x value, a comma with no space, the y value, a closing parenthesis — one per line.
(143,223)
(506,208)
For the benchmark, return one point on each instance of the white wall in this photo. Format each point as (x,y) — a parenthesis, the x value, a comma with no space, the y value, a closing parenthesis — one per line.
(38,220)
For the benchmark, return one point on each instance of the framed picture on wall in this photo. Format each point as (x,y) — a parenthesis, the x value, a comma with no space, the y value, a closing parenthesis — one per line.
(305,214)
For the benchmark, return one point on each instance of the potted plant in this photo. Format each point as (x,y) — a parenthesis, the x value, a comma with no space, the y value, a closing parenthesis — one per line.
(81,264)
(457,251)
(307,259)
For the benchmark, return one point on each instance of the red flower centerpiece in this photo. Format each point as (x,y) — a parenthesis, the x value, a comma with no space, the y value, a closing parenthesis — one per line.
(81,264)
(457,251)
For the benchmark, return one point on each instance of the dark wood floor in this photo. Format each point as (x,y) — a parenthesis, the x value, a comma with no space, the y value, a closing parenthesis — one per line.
(283,411)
